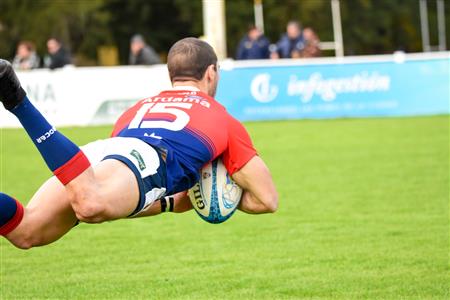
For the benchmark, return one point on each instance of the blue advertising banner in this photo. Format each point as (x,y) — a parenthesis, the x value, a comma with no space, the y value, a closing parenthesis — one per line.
(398,85)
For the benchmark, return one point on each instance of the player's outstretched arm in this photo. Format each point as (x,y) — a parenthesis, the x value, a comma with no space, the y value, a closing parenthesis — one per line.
(178,203)
(260,195)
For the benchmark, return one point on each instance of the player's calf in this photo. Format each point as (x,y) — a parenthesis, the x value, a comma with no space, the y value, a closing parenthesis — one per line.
(25,239)
(12,215)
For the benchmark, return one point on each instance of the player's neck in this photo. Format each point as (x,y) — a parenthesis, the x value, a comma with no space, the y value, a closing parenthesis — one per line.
(192,83)
(197,84)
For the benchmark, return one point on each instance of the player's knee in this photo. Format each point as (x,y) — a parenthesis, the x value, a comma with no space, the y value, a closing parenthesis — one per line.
(89,212)
(88,209)
(85,200)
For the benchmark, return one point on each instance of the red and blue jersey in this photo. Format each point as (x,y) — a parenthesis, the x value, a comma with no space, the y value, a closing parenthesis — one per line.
(191,128)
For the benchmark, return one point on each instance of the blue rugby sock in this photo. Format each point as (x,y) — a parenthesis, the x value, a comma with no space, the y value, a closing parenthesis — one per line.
(11,214)
(62,156)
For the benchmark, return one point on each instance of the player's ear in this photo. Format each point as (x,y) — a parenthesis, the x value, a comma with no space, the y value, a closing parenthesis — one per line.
(211,72)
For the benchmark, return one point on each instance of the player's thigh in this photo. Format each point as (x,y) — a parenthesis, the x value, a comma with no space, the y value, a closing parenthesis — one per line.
(127,175)
(130,175)
(47,217)
(118,188)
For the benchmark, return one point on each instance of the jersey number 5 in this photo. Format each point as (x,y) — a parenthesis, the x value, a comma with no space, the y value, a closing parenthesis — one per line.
(175,109)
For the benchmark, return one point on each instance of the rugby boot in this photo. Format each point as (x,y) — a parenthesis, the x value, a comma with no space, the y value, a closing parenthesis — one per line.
(11,92)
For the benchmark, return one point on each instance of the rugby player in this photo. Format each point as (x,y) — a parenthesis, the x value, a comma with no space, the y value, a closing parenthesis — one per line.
(156,150)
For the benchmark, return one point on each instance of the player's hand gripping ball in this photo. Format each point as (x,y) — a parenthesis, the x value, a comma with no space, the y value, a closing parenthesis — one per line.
(216,196)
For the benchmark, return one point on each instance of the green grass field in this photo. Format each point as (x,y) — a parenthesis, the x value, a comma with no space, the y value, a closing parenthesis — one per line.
(363,214)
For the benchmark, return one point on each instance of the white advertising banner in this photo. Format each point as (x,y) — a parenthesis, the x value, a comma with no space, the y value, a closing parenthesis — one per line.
(86,96)
(368,86)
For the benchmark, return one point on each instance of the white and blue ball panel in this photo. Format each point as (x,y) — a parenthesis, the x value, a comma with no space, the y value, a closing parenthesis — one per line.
(216,196)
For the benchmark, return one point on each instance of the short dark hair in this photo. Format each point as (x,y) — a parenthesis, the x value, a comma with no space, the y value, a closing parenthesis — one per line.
(189,58)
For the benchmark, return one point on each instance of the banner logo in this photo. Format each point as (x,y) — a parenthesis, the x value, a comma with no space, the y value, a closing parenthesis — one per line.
(329,88)
(261,89)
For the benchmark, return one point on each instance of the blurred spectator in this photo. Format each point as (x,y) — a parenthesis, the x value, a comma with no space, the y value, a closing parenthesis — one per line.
(57,56)
(254,45)
(141,53)
(312,43)
(273,51)
(291,41)
(26,57)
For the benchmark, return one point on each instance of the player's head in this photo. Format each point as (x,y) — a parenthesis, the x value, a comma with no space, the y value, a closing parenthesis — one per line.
(194,60)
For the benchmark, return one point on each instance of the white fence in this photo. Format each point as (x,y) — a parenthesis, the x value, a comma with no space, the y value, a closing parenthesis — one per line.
(383,85)
(84,96)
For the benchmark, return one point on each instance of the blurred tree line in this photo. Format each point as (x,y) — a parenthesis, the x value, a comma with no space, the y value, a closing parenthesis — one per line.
(369,26)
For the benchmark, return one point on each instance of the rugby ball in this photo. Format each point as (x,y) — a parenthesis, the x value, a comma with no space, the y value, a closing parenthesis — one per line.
(216,196)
